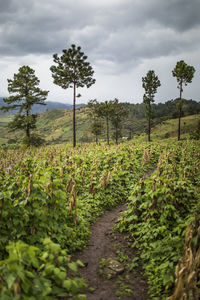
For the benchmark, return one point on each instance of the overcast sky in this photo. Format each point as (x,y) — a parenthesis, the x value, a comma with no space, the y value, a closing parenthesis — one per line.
(123,39)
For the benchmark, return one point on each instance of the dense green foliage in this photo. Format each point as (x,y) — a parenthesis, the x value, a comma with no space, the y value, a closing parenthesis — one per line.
(50,196)
(160,208)
(57,193)
(30,272)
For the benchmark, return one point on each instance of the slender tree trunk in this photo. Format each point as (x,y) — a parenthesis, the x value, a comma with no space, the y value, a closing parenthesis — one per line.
(74,117)
(27,127)
(149,124)
(149,129)
(116,136)
(107,126)
(179,125)
(130,134)
(96,139)
(28,131)
(179,116)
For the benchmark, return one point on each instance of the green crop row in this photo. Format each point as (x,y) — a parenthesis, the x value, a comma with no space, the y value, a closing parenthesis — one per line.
(48,199)
(159,211)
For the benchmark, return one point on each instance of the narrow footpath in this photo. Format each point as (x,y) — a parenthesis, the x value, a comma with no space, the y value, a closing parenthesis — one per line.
(107,260)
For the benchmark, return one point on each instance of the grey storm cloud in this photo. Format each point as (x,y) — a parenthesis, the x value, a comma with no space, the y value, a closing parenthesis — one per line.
(123,32)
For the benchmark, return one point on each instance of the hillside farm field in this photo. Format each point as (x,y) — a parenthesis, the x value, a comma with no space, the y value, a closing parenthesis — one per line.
(50,196)
(55,126)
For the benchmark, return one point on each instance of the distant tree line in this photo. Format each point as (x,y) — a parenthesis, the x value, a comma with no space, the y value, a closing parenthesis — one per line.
(164,110)
(72,70)
(134,122)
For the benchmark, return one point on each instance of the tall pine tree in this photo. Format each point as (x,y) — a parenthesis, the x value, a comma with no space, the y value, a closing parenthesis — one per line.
(72,71)
(26,93)
(184,74)
(150,83)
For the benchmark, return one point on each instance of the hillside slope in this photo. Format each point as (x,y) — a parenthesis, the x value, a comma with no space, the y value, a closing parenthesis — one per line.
(55,126)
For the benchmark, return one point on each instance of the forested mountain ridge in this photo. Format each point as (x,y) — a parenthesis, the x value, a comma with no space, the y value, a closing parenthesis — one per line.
(38,109)
(165,110)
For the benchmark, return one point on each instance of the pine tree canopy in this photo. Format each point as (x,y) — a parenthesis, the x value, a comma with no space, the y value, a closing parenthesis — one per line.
(72,68)
(26,93)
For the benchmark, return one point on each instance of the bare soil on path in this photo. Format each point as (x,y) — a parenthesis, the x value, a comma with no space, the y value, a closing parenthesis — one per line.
(105,243)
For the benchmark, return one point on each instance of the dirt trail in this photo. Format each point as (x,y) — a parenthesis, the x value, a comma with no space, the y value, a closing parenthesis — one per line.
(103,244)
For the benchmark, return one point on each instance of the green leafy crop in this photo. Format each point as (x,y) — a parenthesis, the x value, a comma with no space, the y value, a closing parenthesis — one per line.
(32,272)
(54,194)
(160,208)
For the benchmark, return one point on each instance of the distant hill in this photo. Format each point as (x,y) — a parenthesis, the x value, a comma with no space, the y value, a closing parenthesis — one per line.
(55,125)
(38,109)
